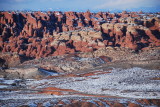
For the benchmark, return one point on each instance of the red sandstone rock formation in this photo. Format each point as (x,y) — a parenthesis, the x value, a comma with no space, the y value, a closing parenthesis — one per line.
(38,34)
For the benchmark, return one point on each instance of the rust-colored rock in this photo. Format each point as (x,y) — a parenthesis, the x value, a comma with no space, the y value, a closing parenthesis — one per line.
(116,104)
(133,105)
(39,34)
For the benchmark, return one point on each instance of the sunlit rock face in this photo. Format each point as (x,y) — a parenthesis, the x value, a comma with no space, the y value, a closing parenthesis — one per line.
(42,34)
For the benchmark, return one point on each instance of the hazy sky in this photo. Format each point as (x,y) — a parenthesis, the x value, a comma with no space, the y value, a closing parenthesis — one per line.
(81,5)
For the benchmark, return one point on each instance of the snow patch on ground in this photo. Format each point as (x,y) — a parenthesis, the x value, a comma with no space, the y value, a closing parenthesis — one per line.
(48,73)
(3,86)
(131,83)
(134,83)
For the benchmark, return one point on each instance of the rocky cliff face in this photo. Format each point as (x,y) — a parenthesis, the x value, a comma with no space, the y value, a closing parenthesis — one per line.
(42,34)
